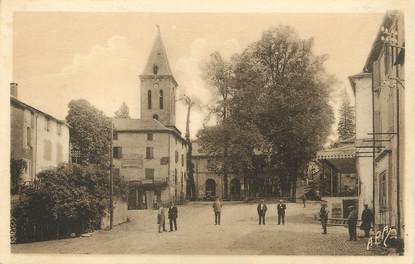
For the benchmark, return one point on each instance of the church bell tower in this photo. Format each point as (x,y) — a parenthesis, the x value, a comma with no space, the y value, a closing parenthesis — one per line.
(158,86)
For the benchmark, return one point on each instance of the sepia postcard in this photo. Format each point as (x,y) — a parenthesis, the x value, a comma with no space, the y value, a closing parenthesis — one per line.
(178,131)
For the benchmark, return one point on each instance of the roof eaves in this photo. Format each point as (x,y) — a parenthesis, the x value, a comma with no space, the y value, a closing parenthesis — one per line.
(33,109)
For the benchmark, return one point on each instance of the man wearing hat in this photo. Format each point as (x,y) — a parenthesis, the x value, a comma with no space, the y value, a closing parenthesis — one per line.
(281,212)
(262,210)
(217,207)
(324,217)
(352,222)
(367,220)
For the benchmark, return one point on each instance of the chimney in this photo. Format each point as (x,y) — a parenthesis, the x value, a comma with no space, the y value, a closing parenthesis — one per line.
(13,89)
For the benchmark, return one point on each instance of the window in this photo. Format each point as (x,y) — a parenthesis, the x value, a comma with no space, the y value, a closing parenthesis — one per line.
(117,152)
(28,136)
(149,152)
(175,176)
(176,156)
(149,174)
(150,136)
(149,99)
(155,69)
(382,190)
(161,99)
(182,160)
(28,171)
(115,135)
(59,153)
(181,182)
(59,129)
(47,124)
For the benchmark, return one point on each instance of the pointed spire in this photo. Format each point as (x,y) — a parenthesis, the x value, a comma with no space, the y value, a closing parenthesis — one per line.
(157,63)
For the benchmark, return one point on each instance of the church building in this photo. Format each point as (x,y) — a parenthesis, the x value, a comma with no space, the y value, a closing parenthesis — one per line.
(150,152)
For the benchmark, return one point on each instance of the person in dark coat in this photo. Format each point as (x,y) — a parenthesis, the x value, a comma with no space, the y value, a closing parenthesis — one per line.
(262,210)
(367,220)
(281,207)
(351,223)
(324,217)
(172,214)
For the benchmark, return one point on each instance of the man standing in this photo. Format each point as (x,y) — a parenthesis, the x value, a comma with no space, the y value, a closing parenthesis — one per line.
(172,216)
(161,219)
(262,209)
(324,217)
(304,199)
(281,212)
(352,222)
(367,220)
(217,209)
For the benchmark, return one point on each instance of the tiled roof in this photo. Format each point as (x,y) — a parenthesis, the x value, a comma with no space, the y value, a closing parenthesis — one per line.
(342,152)
(144,125)
(18,102)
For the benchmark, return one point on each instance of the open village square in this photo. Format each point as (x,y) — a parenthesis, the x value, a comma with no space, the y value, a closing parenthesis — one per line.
(272,149)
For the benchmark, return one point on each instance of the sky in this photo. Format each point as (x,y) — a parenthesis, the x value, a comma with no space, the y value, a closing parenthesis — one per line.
(60,56)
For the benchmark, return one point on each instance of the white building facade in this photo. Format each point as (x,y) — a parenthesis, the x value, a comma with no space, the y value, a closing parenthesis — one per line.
(38,138)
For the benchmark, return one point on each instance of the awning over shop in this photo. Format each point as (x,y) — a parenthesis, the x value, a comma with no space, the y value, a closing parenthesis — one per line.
(342,158)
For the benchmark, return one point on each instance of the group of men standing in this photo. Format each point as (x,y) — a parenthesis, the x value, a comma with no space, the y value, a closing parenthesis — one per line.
(367,220)
(172,215)
(367,217)
(262,210)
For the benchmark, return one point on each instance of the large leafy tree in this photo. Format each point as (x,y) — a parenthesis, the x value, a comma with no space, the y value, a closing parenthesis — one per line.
(232,141)
(90,133)
(346,125)
(123,111)
(295,114)
(277,96)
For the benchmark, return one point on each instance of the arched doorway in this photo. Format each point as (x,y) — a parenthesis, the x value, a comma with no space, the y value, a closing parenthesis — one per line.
(235,189)
(210,189)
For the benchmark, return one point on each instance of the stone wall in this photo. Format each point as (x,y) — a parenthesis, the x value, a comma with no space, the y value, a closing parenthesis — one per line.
(119,214)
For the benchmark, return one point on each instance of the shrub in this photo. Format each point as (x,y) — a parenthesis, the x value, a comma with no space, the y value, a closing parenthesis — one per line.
(68,199)
(16,170)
